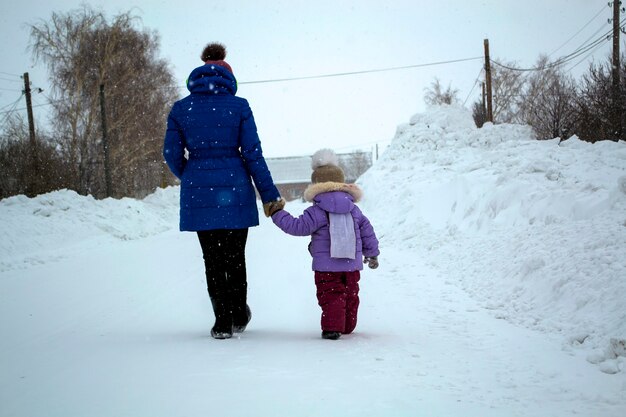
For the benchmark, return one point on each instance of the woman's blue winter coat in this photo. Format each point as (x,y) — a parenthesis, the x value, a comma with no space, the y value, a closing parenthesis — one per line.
(212,146)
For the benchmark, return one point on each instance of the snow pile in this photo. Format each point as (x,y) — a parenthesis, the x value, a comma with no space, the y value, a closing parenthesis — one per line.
(535,230)
(33,231)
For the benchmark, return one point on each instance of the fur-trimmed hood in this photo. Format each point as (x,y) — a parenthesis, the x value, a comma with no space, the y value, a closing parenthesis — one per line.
(324,187)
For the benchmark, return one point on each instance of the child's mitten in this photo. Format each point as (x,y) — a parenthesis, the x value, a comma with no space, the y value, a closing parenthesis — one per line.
(371,261)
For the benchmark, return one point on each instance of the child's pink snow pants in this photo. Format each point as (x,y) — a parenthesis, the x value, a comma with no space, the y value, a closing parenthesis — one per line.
(338,295)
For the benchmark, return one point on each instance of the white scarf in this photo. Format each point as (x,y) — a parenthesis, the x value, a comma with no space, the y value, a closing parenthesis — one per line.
(342,236)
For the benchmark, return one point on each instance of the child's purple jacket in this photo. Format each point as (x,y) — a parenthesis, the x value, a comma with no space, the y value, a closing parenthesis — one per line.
(330,197)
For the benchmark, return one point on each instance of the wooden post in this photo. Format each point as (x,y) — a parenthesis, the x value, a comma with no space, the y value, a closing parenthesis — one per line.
(31,186)
(484,102)
(29,109)
(488,80)
(617,97)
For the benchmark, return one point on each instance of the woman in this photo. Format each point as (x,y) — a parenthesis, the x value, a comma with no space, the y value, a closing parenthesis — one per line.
(212,146)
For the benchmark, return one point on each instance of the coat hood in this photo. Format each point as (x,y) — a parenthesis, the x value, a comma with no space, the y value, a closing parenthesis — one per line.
(212,79)
(333,197)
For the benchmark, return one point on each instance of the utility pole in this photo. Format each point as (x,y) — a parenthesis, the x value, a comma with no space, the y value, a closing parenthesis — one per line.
(33,154)
(29,109)
(488,80)
(105,144)
(484,103)
(617,97)
(483,96)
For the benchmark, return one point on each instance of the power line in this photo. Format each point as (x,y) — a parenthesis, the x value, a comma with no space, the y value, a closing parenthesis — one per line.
(580,30)
(12,75)
(585,45)
(559,61)
(566,58)
(474,86)
(11,104)
(50,101)
(306,77)
(341,74)
(605,36)
(9,80)
(37,99)
(596,32)
(592,47)
(585,58)
(8,112)
(579,51)
(24,108)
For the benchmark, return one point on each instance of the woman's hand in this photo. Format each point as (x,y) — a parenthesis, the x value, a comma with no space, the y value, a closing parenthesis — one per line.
(273,206)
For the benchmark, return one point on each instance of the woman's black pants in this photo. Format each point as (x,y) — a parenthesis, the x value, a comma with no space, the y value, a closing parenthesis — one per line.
(224,252)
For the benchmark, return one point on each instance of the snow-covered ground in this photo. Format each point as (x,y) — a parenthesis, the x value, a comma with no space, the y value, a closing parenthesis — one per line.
(501,292)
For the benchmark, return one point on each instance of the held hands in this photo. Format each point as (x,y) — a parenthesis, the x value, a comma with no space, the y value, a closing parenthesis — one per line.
(273,206)
(371,261)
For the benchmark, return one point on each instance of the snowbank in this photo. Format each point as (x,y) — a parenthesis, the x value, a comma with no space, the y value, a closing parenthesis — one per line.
(33,231)
(536,230)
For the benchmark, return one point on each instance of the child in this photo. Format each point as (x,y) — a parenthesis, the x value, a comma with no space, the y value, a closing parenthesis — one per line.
(340,236)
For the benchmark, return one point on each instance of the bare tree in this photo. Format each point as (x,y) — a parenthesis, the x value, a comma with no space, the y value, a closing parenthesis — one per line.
(479,113)
(548,101)
(594,103)
(437,95)
(355,164)
(19,157)
(83,51)
(507,85)
(14,157)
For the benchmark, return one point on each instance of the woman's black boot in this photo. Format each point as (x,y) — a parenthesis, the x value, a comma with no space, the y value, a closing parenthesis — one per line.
(240,323)
(223,328)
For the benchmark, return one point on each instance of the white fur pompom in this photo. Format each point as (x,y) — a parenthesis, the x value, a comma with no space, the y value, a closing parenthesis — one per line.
(324,157)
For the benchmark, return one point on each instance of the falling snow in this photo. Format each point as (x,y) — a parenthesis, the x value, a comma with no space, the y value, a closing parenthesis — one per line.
(500,292)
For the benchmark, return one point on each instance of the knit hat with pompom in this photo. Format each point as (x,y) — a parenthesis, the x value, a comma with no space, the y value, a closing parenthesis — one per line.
(215,53)
(326,168)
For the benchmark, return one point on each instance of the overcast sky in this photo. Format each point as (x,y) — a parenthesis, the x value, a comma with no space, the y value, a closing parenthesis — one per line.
(292,38)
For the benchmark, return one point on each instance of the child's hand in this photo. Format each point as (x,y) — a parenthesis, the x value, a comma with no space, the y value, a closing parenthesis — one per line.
(371,261)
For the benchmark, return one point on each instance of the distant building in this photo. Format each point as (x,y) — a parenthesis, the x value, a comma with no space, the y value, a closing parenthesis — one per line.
(293,174)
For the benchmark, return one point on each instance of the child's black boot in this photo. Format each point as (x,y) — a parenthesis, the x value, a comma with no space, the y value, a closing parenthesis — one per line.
(330,335)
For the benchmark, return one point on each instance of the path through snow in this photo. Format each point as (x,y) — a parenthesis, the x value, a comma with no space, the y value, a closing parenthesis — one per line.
(122,328)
